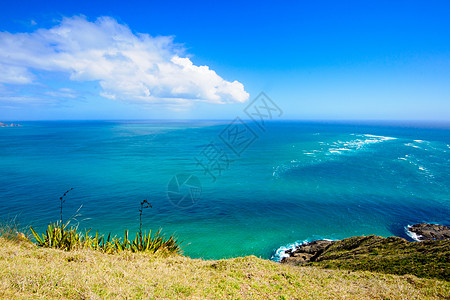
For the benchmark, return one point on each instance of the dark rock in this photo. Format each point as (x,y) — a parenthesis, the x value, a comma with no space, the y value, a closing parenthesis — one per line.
(306,253)
(427,232)
(12,125)
(393,255)
(314,247)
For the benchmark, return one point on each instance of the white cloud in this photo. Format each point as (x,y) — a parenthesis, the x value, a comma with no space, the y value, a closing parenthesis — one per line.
(14,74)
(127,66)
(62,93)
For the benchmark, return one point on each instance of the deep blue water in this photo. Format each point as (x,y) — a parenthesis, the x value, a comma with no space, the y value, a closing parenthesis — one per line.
(296,181)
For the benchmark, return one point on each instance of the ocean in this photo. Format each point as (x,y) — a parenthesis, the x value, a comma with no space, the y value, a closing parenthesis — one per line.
(223,192)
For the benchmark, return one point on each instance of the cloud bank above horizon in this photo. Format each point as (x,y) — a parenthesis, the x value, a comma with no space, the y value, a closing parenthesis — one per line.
(131,67)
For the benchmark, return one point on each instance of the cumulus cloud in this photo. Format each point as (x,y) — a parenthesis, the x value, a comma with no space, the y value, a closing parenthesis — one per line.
(127,66)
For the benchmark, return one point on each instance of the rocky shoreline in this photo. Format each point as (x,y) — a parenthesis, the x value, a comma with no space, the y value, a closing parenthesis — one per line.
(429,232)
(427,257)
(312,251)
(307,252)
(10,125)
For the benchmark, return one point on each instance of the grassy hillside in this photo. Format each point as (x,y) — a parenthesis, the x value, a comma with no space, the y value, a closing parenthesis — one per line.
(29,272)
(393,255)
(428,259)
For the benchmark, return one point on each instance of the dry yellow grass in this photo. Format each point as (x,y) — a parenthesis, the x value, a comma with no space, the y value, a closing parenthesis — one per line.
(27,272)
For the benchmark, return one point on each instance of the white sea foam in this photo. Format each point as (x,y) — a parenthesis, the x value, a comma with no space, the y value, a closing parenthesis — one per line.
(335,151)
(328,151)
(280,253)
(380,137)
(412,235)
(412,145)
(356,144)
(419,164)
(311,152)
(427,173)
(428,145)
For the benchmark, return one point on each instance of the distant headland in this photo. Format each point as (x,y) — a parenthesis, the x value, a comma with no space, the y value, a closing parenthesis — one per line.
(10,125)
(427,257)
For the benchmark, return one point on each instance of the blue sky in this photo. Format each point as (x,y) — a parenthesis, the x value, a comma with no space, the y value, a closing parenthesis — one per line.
(365,60)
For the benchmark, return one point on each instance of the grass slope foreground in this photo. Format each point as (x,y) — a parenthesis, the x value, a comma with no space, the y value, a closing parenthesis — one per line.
(29,272)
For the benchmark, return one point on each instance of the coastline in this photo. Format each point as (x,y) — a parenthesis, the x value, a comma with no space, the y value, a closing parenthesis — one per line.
(298,203)
(27,271)
(417,232)
(427,257)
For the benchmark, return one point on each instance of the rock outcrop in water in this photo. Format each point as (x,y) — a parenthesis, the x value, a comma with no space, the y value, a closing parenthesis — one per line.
(306,252)
(430,232)
(11,125)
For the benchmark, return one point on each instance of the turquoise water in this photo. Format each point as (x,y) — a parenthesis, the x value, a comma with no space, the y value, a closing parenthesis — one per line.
(296,181)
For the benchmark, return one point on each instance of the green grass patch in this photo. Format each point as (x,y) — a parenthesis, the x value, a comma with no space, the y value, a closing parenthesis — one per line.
(393,255)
